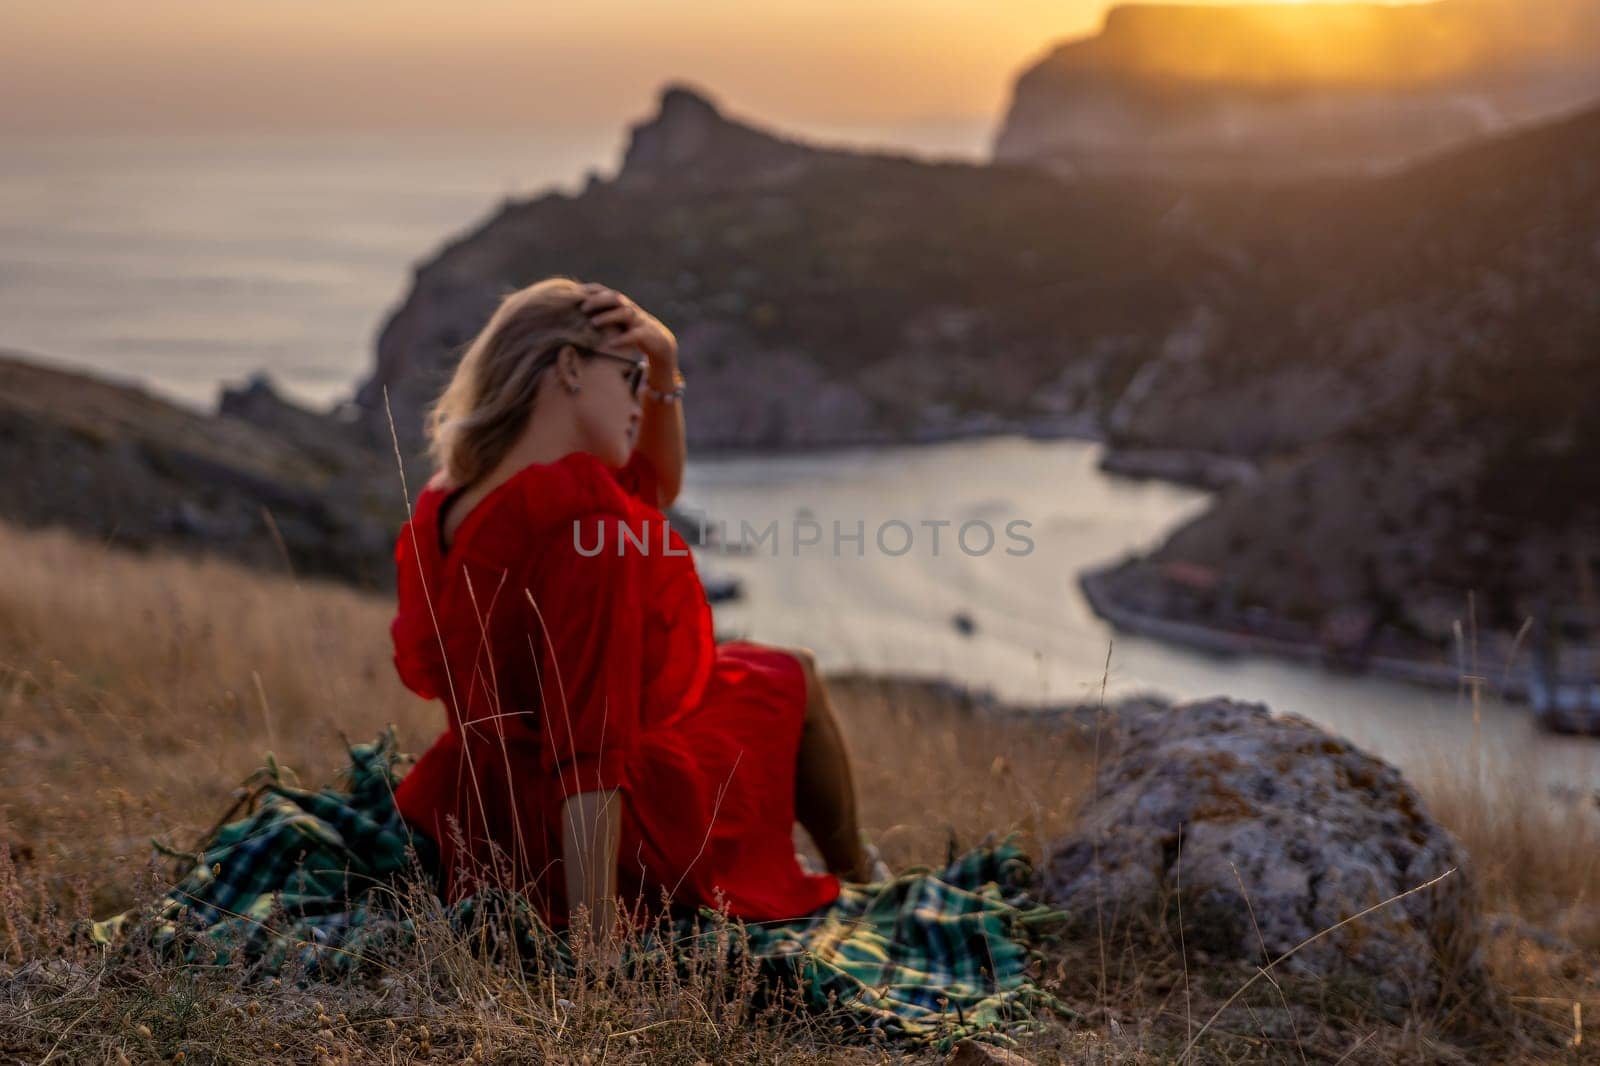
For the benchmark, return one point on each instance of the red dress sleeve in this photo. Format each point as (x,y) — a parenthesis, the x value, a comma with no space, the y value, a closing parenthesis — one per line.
(638,477)
(589,612)
(418,651)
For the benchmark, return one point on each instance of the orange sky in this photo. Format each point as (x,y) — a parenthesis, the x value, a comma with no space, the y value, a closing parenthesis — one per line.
(333,64)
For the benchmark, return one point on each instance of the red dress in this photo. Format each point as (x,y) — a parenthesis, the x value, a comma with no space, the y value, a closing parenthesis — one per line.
(567,669)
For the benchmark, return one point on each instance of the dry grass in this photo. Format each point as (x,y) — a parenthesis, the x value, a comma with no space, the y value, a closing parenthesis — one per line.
(1537,867)
(135,692)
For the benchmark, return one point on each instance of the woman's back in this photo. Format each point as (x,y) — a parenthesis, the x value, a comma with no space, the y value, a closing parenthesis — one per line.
(568,669)
(601,746)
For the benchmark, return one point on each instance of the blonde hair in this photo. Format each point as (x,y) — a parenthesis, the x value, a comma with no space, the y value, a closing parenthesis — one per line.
(479,415)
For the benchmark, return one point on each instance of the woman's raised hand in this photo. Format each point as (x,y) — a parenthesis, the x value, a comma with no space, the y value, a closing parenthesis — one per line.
(607,309)
(661,431)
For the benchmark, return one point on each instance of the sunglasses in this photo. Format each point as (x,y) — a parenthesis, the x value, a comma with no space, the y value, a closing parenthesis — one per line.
(636,367)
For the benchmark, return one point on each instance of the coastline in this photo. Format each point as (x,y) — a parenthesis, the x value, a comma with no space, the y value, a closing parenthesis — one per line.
(981,702)
(1098,589)
(304,435)
(1036,427)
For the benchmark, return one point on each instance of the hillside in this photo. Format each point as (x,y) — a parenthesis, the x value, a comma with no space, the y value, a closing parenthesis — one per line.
(822,296)
(1416,350)
(284,488)
(814,290)
(1459,300)
(144,688)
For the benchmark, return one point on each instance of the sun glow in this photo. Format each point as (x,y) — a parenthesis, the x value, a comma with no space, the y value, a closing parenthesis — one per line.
(1312,42)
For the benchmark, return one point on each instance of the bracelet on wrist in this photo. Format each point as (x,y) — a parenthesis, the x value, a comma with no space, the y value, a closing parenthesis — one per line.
(672,395)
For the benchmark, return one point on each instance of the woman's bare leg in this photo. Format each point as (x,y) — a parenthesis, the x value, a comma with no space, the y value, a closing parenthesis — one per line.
(824,790)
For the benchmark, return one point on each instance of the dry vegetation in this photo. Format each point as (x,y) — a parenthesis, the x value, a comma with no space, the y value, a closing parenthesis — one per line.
(135,692)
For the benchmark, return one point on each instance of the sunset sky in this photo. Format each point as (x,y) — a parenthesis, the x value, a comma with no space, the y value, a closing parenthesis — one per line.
(258,65)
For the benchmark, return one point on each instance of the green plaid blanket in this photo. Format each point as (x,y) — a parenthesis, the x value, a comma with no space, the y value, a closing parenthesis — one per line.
(307,884)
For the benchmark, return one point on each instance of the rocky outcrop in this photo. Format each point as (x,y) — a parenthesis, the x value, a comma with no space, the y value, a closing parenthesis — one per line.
(687,152)
(1449,396)
(689,139)
(264,481)
(1284,90)
(1261,832)
(831,297)
(117,463)
(327,439)
(1424,339)
(822,296)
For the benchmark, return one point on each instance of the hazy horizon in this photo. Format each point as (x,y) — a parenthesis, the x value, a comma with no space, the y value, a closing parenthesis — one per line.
(177,66)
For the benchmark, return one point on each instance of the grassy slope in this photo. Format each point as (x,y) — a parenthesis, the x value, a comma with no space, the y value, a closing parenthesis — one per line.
(136,691)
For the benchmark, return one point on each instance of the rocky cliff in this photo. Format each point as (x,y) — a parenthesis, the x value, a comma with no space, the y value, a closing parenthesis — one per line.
(1411,356)
(825,296)
(1286,90)
(1442,357)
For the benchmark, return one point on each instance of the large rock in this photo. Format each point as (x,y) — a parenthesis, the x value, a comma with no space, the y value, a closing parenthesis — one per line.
(1284,828)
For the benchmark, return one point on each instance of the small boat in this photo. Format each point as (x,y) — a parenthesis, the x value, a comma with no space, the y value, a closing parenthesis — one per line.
(1566,706)
(721,588)
(1562,704)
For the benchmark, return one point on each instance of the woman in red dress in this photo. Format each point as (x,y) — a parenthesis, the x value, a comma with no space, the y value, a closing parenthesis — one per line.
(601,747)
